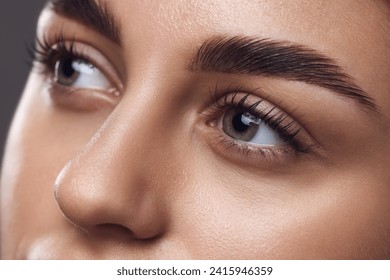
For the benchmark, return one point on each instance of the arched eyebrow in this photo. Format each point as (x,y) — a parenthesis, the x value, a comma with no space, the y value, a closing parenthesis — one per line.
(279,59)
(95,15)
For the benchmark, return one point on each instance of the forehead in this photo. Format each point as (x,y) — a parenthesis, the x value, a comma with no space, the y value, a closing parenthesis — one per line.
(307,21)
(354,32)
(235,13)
(311,22)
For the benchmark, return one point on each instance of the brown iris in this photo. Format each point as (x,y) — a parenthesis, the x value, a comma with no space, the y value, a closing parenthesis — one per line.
(65,73)
(233,125)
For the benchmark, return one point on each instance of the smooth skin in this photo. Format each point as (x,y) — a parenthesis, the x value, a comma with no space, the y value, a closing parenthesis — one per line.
(142,175)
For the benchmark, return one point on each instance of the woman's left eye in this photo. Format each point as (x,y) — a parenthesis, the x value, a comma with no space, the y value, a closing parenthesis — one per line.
(244,126)
(79,73)
(250,124)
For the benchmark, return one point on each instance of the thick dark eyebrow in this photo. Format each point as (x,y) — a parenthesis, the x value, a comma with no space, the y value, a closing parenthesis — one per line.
(280,59)
(93,14)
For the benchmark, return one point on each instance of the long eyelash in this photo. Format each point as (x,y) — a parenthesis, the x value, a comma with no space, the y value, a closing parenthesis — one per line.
(43,54)
(287,132)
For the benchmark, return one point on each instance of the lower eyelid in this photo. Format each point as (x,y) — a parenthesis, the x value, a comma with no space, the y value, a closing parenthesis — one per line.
(247,156)
(248,147)
(81,100)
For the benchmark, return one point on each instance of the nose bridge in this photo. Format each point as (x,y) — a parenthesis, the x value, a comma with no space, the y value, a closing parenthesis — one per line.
(118,177)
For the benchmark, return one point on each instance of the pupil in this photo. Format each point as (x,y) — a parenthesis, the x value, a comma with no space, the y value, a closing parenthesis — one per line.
(67,68)
(238,125)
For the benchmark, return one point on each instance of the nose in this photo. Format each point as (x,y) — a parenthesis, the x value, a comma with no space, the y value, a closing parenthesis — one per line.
(108,187)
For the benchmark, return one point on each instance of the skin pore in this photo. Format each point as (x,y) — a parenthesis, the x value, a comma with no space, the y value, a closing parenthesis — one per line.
(235,129)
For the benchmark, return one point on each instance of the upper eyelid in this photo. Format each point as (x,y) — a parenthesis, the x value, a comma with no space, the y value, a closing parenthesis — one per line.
(252,106)
(257,95)
(261,95)
(53,25)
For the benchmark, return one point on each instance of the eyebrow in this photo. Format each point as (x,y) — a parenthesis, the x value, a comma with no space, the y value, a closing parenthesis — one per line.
(94,14)
(280,59)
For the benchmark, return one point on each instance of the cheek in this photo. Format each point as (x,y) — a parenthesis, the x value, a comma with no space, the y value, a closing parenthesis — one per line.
(41,141)
(334,218)
(345,216)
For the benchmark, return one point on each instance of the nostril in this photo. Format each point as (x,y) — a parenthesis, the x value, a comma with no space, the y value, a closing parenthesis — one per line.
(114,230)
(118,231)
(110,226)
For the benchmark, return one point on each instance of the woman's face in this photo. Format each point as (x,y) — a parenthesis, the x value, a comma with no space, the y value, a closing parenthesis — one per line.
(202,129)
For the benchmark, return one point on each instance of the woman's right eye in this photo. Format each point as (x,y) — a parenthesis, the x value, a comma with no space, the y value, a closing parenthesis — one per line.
(79,76)
(75,65)
(79,73)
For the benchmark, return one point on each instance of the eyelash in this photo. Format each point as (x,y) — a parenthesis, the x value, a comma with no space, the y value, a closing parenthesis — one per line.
(272,117)
(44,54)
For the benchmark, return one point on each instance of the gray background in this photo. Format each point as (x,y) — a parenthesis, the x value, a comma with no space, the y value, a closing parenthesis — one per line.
(17,29)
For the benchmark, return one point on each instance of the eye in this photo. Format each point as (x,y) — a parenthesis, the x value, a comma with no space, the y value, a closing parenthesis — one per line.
(75,65)
(74,72)
(244,126)
(79,76)
(240,124)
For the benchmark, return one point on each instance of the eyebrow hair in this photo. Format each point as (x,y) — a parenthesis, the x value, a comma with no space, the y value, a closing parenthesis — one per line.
(280,59)
(94,14)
